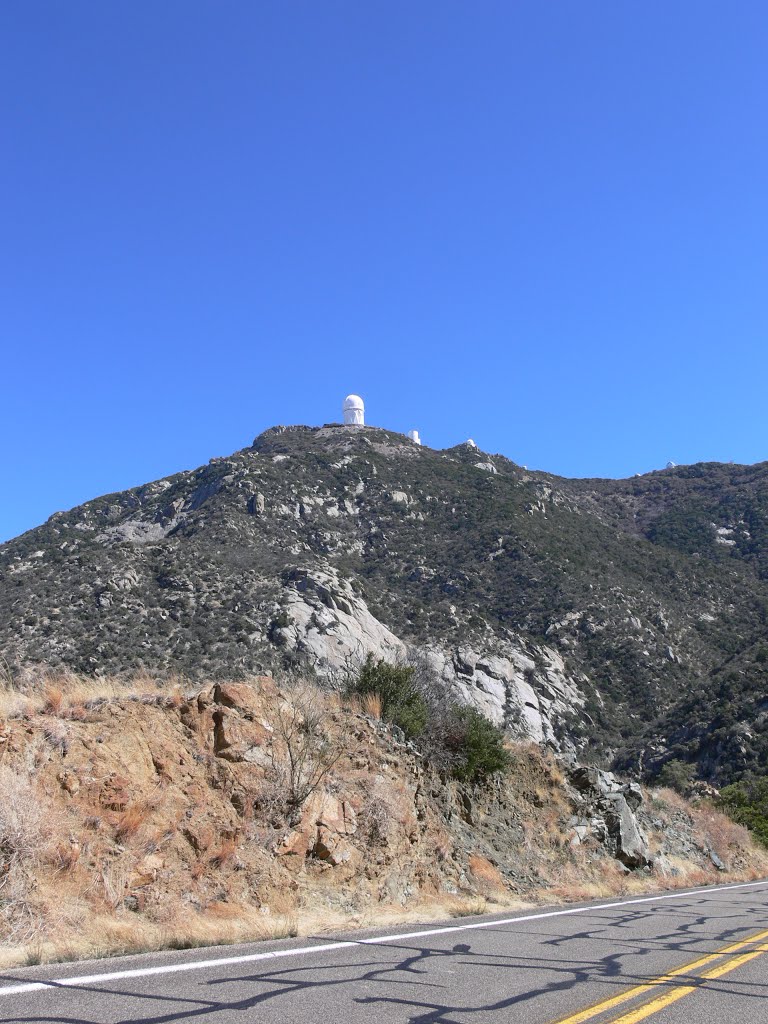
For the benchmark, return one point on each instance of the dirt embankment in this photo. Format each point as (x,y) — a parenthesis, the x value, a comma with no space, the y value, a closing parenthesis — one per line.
(138,819)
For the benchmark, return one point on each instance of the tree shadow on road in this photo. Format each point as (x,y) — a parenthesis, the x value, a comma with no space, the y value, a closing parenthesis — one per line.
(415,983)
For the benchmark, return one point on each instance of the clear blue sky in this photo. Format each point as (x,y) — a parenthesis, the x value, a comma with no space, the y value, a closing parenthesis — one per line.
(540,224)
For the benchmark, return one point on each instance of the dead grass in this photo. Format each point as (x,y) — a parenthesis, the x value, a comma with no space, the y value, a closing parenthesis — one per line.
(53,700)
(372,705)
(27,826)
(67,694)
(112,882)
(225,854)
(131,821)
(467,906)
(120,935)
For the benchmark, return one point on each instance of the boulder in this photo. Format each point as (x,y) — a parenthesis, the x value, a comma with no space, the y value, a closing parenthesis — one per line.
(256,504)
(333,848)
(323,809)
(716,861)
(631,845)
(237,738)
(591,781)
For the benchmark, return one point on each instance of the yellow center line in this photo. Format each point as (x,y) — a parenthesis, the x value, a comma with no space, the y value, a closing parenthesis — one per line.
(632,993)
(685,990)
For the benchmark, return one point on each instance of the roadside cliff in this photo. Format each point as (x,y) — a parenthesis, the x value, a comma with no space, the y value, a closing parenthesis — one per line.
(135,817)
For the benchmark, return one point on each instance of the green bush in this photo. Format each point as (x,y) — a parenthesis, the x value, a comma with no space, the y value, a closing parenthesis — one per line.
(401,702)
(678,775)
(747,803)
(476,745)
(456,739)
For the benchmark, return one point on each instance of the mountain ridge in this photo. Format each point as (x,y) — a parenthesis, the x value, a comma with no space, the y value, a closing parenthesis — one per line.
(587,613)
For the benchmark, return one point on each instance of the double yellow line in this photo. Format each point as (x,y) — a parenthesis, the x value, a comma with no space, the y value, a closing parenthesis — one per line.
(676,992)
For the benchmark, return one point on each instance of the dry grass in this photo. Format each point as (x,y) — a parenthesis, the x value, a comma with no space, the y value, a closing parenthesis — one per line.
(53,700)
(26,828)
(69,695)
(112,884)
(225,853)
(372,705)
(133,818)
(119,935)
(467,906)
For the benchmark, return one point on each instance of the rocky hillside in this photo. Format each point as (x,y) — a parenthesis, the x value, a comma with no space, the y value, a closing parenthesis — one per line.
(624,618)
(134,818)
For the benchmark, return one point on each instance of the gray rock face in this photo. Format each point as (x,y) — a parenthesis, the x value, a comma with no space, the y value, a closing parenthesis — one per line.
(325,621)
(332,627)
(525,689)
(717,861)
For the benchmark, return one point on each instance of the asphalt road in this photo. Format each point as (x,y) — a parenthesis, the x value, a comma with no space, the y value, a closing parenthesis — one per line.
(700,956)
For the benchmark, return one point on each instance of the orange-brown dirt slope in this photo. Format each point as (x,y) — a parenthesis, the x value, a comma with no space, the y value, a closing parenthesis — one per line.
(134,820)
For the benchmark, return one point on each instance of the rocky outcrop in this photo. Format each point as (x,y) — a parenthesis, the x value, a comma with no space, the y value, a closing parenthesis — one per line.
(527,690)
(330,626)
(607,813)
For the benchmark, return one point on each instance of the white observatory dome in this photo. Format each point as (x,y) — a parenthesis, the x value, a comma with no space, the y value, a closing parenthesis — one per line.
(671,465)
(414,436)
(354,411)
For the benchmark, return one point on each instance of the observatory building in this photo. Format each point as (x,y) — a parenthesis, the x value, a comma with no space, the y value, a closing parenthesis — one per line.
(354,411)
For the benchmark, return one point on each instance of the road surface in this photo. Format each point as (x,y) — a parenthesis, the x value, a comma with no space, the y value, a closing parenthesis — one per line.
(699,956)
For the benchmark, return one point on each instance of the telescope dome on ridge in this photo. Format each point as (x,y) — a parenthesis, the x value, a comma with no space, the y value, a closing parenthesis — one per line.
(354,411)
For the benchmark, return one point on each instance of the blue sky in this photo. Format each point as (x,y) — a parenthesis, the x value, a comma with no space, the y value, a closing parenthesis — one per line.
(541,225)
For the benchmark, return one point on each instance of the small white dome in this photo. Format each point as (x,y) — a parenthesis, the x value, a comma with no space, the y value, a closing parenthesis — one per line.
(353,402)
(671,465)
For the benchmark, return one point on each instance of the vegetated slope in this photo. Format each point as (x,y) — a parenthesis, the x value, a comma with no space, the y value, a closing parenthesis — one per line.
(600,613)
(717,513)
(146,817)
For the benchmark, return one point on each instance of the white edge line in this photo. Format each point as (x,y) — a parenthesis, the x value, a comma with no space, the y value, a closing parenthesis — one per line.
(198,965)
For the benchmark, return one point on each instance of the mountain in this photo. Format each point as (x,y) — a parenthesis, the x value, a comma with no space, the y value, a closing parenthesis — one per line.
(623,618)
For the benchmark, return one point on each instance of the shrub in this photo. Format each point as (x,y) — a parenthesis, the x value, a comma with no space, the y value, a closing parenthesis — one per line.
(401,702)
(475,743)
(746,802)
(678,775)
(303,754)
(457,739)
